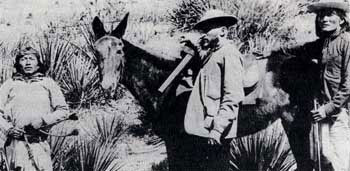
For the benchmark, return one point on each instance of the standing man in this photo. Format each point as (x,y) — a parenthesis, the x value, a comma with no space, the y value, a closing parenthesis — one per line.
(331,51)
(30,101)
(212,109)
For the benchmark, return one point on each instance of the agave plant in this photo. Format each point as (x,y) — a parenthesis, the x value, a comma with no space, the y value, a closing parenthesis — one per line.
(80,81)
(60,146)
(96,155)
(55,53)
(100,150)
(188,13)
(6,63)
(96,148)
(110,129)
(267,150)
(266,18)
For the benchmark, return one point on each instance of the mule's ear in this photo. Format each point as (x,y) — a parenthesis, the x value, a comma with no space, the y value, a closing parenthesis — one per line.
(120,30)
(98,28)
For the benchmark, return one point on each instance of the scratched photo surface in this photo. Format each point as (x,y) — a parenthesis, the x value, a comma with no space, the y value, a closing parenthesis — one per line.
(129,85)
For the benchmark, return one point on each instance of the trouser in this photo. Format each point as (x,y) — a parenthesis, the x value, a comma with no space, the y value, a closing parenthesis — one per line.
(298,137)
(192,153)
(18,156)
(335,153)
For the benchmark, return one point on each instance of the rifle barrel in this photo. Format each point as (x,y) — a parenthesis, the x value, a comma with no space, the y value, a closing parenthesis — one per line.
(175,73)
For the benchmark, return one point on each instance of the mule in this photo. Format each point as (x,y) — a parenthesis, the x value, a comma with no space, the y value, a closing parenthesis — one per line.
(281,91)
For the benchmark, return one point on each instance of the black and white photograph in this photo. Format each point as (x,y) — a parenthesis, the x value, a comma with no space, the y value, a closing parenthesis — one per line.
(174,85)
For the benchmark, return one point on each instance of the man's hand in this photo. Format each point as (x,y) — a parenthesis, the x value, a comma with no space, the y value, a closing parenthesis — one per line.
(319,114)
(187,47)
(214,138)
(73,117)
(15,133)
(37,122)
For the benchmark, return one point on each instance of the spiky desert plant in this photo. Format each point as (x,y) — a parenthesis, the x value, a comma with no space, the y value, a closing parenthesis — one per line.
(55,53)
(110,129)
(267,150)
(188,13)
(91,155)
(266,18)
(80,81)
(6,63)
(96,148)
(60,147)
(97,155)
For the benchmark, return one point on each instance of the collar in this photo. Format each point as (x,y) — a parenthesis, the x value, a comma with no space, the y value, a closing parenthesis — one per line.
(28,79)
(333,35)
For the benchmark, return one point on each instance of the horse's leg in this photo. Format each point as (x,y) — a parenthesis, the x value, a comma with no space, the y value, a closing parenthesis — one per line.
(298,137)
(180,146)
(187,153)
(171,154)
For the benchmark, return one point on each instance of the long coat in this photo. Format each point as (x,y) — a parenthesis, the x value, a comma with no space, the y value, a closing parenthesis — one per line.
(23,100)
(218,90)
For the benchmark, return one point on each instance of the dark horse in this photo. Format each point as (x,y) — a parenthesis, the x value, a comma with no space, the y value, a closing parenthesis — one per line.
(281,90)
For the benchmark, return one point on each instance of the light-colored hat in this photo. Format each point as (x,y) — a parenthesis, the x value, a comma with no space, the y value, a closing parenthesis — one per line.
(214,18)
(324,4)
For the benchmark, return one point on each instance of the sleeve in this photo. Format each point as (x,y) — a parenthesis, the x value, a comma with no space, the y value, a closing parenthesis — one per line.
(5,124)
(341,97)
(232,92)
(304,50)
(58,104)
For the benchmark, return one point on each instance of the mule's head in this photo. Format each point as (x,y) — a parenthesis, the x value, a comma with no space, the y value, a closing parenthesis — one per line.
(110,54)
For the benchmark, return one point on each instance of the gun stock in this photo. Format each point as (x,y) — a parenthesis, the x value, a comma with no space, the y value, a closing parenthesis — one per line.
(175,73)
(316,142)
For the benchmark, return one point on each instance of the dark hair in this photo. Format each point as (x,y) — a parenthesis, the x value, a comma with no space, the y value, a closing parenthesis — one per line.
(29,51)
(342,14)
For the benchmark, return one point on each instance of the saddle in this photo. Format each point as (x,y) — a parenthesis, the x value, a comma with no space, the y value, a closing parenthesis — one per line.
(251,78)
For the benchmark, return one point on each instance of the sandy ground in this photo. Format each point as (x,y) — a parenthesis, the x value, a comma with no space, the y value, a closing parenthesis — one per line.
(142,156)
(137,153)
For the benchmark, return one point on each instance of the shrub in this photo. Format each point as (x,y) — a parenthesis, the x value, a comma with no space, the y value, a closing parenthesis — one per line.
(266,18)
(266,150)
(96,148)
(80,82)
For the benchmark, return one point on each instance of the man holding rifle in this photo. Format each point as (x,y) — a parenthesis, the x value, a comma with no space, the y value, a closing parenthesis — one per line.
(30,101)
(331,52)
(216,86)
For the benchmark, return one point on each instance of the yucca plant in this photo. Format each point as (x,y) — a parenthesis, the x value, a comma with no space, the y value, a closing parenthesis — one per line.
(96,155)
(60,147)
(110,129)
(188,13)
(96,148)
(6,63)
(266,18)
(55,53)
(100,150)
(80,81)
(267,150)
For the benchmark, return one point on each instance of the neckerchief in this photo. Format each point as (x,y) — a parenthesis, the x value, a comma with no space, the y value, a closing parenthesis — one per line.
(36,77)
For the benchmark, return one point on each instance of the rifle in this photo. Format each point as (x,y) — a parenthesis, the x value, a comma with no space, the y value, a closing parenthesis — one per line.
(315,142)
(3,158)
(4,162)
(175,73)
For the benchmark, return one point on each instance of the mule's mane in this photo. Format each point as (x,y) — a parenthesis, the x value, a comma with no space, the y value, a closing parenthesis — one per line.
(158,59)
(144,72)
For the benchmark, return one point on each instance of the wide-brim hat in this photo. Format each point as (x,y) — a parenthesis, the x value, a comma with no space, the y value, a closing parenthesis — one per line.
(329,4)
(214,18)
